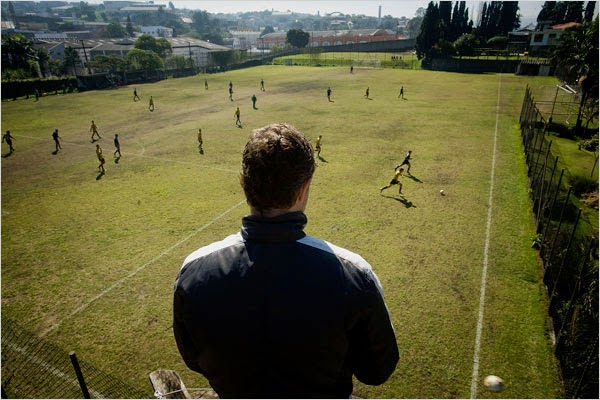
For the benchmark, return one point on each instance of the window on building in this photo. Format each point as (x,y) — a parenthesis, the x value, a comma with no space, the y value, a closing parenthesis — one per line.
(538,38)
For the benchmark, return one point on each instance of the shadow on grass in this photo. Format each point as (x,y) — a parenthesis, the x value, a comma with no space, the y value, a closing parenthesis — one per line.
(100,175)
(7,154)
(414,178)
(322,159)
(401,199)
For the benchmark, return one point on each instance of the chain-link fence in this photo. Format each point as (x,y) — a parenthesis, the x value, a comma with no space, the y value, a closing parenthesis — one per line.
(35,368)
(569,251)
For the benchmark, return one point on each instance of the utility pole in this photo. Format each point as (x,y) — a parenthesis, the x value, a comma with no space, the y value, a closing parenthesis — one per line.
(86,59)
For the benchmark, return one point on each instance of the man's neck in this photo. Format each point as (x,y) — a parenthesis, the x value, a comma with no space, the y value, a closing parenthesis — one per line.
(272,212)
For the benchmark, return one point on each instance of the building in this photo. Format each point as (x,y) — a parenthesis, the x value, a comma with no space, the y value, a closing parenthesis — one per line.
(244,39)
(157,31)
(548,36)
(332,38)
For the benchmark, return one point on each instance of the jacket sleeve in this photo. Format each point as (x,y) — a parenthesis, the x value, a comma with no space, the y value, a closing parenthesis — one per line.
(187,348)
(372,339)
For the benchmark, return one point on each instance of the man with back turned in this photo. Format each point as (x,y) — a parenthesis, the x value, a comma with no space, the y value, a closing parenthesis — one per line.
(270,312)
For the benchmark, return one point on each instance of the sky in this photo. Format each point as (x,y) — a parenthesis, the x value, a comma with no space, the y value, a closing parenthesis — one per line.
(396,8)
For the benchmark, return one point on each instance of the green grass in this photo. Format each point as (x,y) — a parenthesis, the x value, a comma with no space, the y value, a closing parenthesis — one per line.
(91,262)
(358,59)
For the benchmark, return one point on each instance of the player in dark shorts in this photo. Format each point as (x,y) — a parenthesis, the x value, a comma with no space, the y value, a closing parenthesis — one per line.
(117,145)
(8,139)
(56,141)
(329,93)
(406,161)
(395,181)
(318,146)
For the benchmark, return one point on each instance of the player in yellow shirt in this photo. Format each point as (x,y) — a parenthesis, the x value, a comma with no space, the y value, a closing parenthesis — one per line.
(100,157)
(237,117)
(94,130)
(395,180)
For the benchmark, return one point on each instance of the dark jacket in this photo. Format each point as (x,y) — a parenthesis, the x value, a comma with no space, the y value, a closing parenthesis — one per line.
(271,312)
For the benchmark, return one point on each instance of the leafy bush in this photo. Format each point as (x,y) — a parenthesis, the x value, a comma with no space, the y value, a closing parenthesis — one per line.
(582,185)
(590,144)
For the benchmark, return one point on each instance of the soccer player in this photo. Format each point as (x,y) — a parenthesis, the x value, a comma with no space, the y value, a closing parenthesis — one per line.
(352,69)
(100,158)
(8,139)
(230,93)
(94,130)
(401,92)
(406,161)
(367,93)
(395,180)
(237,118)
(200,149)
(318,146)
(151,104)
(56,141)
(135,95)
(117,145)
(205,84)
(254,101)
(329,93)
(262,85)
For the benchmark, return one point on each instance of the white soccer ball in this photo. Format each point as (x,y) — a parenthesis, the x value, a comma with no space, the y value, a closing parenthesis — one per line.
(493,383)
(442,192)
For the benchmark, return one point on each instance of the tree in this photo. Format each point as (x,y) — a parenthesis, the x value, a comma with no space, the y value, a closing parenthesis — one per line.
(17,51)
(576,61)
(445,13)
(71,59)
(114,30)
(574,11)
(297,37)
(268,29)
(589,11)
(112,64)
(146,60)
(129,26)
(178,62)
(430,32)
(43,60)
(159,46)
(88,12)
(13,14)
(413,27)
(466,44)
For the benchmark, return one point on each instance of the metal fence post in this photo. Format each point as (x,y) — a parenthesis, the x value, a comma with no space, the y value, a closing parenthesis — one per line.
(84,389)
(562,264)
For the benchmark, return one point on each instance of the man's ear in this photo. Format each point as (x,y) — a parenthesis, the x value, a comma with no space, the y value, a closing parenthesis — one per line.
(304,190)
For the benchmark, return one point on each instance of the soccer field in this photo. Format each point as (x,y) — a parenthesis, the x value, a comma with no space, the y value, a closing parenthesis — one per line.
(89,260)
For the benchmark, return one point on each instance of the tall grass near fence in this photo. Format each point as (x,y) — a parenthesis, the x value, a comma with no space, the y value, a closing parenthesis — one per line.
(569,250)
(36,368)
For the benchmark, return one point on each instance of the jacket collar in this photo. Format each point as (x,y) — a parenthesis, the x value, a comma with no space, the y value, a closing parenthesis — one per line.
(284,228)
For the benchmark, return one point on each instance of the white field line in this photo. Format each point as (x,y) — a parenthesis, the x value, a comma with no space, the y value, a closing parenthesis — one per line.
(52,370)
(138,269)
(486,249)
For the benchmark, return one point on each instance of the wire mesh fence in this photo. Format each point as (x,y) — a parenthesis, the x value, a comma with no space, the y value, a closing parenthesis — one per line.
(569,251)
(35,368)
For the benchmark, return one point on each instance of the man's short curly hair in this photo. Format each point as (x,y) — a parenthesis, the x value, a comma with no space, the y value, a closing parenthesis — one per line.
(276,162)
